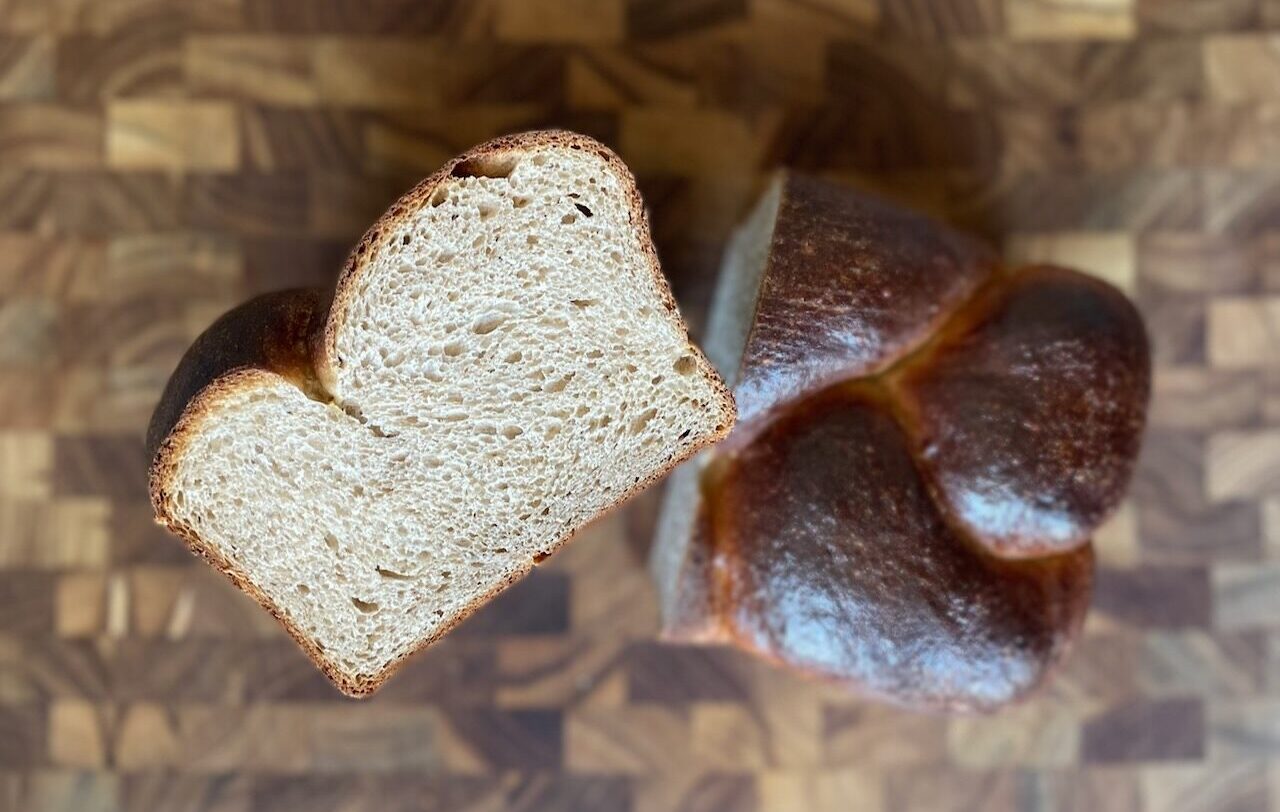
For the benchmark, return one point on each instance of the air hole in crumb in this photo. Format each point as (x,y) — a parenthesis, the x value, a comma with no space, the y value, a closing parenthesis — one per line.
(684,434)
(538,558)
(405,240)
(512,432)
(532,239)
(487,324)
(331,541)
(684,365)
(569,219)
(487,211)
(595,354)
(559,384)
(439,196)
(642,420)
(513,357)
(584,209)
(500,550)
(485,166)
(368,607)
(519,202)
(303,589)
(584,303)
(392,575)
(453,349)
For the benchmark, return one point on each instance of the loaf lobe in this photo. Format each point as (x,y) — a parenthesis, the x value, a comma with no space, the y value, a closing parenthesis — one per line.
(837,561)
(1030,420)
(851,285)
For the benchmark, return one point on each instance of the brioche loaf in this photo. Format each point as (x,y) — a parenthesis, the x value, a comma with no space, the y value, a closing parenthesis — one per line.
(926,441)
(501,362)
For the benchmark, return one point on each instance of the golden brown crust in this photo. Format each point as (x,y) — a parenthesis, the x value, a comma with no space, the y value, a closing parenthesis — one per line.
(292,335)
(910,513)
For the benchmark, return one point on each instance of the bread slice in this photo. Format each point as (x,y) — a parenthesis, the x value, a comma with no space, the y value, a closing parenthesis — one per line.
(502,361)
(926,442)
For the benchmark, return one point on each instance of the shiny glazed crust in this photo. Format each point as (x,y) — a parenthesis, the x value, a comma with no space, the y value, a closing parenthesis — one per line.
(928,441)
(292,335)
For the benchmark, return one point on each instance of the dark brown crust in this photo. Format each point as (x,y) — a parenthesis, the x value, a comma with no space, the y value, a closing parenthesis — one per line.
(292,335)
(851,284)
(1050,375)
(1030,417)
(834,558)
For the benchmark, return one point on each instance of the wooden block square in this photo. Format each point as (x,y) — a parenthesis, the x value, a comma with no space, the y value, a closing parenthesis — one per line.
(1115,543)
(245,67)
(27,67)
(80,606)
(66,533)
(1199,663)
(1110,256)
(1038,734)
(1244,333)
(689,143)
(626,741)
(147,738)
(28,329)
(689,791)
(1069,19)
(1245,595)
(371,73)
(77,737)
(174,135)
(26,465)
(1236,784)
(1160,730)
(560,21)
(862,734)
(50,136)
(1242,464)
(1243,729)
(1243,67)
(822,791)
(137,60)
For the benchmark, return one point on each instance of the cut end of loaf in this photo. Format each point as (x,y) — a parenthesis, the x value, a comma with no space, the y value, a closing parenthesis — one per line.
(502,364)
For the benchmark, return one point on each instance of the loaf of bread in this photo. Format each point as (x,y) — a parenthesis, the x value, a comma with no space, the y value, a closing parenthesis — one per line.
(926,442)
(502,361)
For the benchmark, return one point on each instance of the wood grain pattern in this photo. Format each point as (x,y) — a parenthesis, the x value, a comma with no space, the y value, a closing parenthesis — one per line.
(162,159)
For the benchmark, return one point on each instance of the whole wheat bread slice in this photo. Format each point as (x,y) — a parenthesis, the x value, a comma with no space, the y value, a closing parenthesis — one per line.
(501,362)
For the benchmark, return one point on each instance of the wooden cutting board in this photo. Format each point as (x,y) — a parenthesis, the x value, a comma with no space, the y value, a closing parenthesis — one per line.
(162,159)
